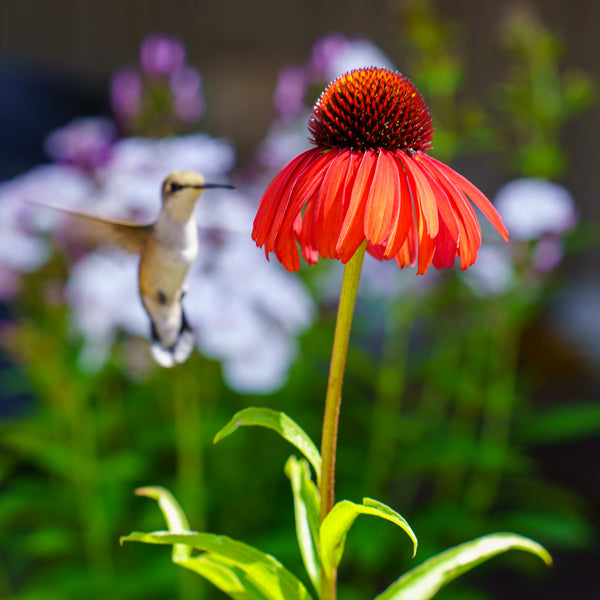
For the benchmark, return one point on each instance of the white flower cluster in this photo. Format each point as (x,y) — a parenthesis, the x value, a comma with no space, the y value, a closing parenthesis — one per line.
(245,311)
(535,211)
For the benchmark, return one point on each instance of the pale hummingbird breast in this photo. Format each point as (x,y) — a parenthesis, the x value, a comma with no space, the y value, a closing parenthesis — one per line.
(167,258)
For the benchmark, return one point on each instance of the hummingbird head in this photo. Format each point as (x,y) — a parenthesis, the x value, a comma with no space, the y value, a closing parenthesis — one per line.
(180,190)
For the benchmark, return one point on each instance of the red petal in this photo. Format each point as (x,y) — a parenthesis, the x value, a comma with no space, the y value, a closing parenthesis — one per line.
(287,252)
(306,183)
(275,200)
(407,255)
(329,214)
(475,195)
(383,202)
(422,195)
(447,240)
(405,215)
(470,238)
(304,228)
(353,229)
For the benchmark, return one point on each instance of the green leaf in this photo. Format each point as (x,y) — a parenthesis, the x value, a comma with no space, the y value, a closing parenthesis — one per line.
(306,512)
(231,580)
(174,516)
(340,518)
(279,422)
(424,581)
(236,564)
(563,423)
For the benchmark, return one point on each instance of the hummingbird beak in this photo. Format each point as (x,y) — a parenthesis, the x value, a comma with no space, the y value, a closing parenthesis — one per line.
(206,186)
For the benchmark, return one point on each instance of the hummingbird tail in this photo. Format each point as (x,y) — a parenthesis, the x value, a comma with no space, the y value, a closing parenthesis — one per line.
(177,352)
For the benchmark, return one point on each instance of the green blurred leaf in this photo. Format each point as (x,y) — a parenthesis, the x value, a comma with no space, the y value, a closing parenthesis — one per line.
(269,579)
(340,518)
(287,428)
(306,512)
(424,581)
(563,423)
(561,529)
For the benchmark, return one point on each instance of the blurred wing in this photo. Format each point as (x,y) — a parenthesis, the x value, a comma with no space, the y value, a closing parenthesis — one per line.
(95,231)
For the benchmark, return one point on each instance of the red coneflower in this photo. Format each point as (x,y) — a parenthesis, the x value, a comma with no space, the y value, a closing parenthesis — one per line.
(368,178)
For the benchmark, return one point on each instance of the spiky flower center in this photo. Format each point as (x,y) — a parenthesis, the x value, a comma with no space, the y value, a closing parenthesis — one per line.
(371,108)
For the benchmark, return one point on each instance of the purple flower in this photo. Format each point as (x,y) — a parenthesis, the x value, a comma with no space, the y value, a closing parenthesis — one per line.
(84,143)
(186,87)
(289,92)
(335,54)
(161,55)
(325,50)
(126,93)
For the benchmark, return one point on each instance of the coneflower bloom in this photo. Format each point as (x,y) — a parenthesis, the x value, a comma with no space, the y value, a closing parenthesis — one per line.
(368,177)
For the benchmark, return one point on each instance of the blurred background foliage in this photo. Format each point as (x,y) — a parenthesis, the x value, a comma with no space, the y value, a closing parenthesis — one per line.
(460,409)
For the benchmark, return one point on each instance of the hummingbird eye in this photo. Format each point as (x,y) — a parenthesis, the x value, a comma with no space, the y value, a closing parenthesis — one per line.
(175,187)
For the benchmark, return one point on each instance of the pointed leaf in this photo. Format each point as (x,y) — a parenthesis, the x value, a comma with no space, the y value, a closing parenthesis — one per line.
(424,581)
(263,571)
(340,518)
(287,428)
(306,512)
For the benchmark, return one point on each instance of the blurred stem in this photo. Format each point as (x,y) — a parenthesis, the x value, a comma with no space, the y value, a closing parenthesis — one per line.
(503,343)
(6,590)
(189,450)
(463,426)
(83,440)
(333,399)
(189,444)
(389,389)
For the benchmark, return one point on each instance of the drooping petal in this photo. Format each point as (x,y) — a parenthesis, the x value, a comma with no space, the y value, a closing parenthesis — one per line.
(329,212)
(422,195)
(405,215)
(407,255)
(287,252)
(353,229)
(307,181)
(447,239)
(304,230)
(470,238)
(475,195)
(274,201)
(383,201)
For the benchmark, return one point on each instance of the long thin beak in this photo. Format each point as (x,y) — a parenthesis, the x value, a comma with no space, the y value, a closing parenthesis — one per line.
(213,185)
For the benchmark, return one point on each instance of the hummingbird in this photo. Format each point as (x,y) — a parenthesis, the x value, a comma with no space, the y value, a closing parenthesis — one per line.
(167,248)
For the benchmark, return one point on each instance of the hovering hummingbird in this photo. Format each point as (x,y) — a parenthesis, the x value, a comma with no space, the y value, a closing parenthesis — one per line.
(167,249)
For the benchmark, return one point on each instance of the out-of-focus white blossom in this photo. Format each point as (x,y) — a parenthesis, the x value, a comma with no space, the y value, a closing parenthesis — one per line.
(532,208)
(103,293)
(22,249)
(245,311)
(493,272)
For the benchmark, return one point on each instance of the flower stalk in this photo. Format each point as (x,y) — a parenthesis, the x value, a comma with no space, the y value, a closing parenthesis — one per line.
(333,398)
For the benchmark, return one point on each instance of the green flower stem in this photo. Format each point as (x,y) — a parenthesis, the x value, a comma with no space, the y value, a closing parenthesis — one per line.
(333,398)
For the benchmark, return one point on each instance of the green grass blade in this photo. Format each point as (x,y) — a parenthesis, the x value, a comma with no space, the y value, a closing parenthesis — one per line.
(287,428)
(424,581)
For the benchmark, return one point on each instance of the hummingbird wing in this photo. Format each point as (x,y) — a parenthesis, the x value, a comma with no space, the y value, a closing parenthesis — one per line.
(95,231)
